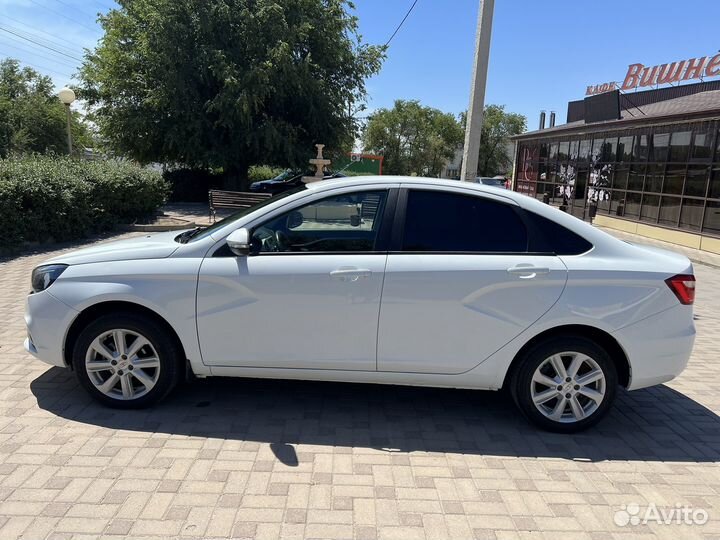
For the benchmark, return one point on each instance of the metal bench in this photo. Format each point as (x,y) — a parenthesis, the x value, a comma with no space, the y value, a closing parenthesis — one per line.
(233,200)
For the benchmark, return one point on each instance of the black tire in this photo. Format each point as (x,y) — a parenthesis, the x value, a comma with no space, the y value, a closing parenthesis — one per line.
(165,345)
(521,383)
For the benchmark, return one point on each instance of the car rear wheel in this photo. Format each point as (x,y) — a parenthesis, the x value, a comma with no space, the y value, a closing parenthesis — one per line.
(565,384)
(126,361)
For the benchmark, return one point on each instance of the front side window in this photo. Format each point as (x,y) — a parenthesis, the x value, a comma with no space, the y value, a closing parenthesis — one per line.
(342,223)
(437,221)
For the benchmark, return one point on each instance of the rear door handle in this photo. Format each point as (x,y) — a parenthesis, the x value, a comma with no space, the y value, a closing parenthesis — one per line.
(528,271)
(350,273)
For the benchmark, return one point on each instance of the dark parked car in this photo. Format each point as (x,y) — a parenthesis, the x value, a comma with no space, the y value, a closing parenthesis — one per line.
(285,181)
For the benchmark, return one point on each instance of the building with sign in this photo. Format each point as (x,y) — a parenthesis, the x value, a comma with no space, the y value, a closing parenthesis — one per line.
(649,159)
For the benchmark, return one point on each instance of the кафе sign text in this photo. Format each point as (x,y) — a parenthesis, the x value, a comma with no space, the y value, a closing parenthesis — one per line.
(639,75)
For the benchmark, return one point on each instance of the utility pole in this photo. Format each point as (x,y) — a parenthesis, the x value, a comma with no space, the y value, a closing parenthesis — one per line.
(474,120)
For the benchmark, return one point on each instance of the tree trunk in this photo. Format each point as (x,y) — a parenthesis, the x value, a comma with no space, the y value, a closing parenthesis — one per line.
(236,177)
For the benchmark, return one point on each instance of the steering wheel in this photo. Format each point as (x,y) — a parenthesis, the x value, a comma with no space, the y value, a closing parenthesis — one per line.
(282,242)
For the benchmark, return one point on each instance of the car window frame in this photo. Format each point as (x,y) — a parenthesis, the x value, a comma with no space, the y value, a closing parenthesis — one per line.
(382,242)
(400,219)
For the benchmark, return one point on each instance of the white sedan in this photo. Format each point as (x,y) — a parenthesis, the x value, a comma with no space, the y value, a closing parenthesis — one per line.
(387,280)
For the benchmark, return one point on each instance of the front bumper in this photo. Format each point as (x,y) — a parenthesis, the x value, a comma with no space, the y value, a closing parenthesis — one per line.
(47,320)
(658,347)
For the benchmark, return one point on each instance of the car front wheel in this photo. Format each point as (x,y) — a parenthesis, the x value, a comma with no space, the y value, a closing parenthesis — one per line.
(565,384)
(126,361)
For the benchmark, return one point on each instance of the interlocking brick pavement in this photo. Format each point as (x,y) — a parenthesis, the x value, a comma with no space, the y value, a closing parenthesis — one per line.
(241,458)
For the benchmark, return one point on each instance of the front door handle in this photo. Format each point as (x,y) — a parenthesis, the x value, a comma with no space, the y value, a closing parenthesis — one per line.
(527,271)
(350,273)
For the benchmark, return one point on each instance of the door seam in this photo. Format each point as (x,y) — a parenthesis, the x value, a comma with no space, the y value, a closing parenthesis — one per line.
(377,328)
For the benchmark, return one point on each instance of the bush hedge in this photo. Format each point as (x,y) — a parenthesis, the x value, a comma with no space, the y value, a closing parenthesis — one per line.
(56,199)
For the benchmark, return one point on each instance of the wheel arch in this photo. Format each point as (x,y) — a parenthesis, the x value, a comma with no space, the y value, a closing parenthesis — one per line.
(601,337)
(112,306)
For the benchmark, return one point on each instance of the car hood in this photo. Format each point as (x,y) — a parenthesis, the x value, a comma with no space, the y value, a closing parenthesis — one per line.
(150,246)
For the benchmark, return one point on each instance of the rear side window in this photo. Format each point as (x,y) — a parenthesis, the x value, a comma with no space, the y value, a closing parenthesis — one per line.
(554,238)
(451,222)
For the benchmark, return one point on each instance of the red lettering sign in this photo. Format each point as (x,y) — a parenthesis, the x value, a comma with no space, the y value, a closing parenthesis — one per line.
(638,75)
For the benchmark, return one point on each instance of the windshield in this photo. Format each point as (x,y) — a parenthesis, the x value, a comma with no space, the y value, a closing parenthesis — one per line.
(207,231)
(492,182)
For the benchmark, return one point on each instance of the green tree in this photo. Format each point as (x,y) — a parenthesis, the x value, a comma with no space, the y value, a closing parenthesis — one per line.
(412,138)
(32,119)
(228,83)
(498,126)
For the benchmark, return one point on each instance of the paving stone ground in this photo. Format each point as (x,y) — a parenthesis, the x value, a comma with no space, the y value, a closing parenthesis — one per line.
(238,458)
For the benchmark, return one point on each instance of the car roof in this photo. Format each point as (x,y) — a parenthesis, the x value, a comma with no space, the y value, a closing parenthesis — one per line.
(410,180)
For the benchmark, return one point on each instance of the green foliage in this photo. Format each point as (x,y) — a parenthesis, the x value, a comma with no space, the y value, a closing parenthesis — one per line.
(498,126)
(414,139)
(45,198)
(32,119)
(227,83)
(263,172)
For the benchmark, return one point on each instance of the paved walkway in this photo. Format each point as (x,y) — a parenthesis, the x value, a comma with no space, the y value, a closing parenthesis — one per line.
(275,459)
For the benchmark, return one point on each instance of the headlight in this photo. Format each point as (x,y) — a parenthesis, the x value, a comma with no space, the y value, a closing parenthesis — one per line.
(44,276)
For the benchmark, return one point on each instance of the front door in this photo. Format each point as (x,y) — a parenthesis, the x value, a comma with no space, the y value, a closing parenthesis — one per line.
(461,284)
(308,298)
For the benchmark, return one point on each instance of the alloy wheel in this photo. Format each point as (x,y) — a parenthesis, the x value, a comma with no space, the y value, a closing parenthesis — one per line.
(122,364)
(568,387)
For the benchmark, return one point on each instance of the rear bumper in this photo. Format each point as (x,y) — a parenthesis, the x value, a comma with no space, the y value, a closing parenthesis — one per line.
(659,347)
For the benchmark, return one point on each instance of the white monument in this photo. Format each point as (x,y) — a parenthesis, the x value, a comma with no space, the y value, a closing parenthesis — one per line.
(320,162)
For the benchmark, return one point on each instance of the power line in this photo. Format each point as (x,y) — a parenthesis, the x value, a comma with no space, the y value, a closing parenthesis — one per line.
(55,41)
(45,68)
(63,15)
(34,53)
(40,44)
(401,23)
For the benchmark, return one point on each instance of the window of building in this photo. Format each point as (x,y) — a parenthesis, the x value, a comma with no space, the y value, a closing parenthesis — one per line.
(584,150)
(632,204)
(714,187)
(636,178)
(711,221)
(574,146)
(641,148)
(624,148)
(669,211)
(674,179)
(650,208)
(654,178)
(448,222)
(680,146)
(609,149)
(564,151)
(696,181)
(702,145)
(691,214)
(620,178)
(659,149)
(553,151)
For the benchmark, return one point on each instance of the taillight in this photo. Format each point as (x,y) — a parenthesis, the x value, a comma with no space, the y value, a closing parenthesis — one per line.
(683,285)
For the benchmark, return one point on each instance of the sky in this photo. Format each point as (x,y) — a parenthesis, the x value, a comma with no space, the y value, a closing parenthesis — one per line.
(543,54)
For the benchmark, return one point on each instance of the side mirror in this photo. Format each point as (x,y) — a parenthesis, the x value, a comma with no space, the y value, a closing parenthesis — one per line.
(294,220)
(239,242)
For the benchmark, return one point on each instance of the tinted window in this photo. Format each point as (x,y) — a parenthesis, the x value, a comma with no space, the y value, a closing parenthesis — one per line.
(554,238)
(348,222)
(439,221)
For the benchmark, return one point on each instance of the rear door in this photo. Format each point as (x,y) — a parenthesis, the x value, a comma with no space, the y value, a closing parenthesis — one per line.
(460,281)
